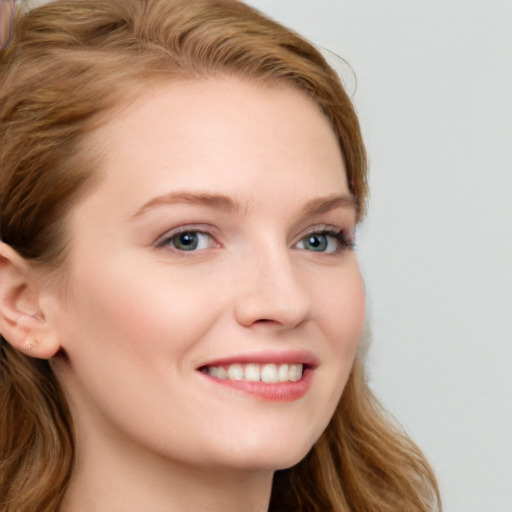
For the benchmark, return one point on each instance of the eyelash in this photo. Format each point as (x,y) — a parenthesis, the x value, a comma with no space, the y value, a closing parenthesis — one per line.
(165,241)
(344,240)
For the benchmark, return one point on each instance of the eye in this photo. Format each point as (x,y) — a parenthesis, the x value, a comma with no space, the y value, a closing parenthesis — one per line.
(188,241)
(325,241)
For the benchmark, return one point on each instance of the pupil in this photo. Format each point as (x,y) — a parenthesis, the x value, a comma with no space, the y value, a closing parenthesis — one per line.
(187,241)
(317,243)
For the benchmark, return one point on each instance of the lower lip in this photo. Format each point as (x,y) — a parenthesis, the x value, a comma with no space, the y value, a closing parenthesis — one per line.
(277,392)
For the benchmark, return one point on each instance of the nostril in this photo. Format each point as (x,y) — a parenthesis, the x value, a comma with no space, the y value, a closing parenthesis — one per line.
(266,321)
(269,310)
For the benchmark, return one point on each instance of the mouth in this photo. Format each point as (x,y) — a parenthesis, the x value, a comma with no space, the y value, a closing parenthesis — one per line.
(275,377)
(253,372)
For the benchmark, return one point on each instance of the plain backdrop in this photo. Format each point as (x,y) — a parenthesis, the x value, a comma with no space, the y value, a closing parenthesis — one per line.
(434,89)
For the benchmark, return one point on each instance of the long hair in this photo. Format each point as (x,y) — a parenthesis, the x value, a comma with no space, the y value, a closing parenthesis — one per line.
(71,62)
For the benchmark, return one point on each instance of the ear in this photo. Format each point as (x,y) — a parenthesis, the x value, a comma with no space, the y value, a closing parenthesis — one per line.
(23,322)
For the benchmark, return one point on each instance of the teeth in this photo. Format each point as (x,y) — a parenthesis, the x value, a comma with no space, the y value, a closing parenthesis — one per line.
(252,372)
(269,373)
(221,373)
(235,372)
(295,372)
(212,370)
(282,373)
(217,371)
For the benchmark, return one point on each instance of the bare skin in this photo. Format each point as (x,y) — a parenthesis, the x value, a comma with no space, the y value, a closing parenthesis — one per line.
(220,233)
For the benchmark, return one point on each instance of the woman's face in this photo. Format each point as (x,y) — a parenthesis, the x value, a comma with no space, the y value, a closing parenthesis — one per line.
(215,251)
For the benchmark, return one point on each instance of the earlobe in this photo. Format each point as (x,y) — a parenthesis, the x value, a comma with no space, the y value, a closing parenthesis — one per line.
(22,320)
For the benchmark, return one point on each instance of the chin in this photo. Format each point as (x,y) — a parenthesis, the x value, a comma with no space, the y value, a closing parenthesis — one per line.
(271,455)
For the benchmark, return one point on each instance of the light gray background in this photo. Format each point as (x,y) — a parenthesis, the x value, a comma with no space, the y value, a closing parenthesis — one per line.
(434,98)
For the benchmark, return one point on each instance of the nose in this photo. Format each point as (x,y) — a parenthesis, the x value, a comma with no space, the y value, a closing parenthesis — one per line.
(272,292)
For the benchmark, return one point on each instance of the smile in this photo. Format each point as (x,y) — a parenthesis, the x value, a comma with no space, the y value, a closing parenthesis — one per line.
(268,373)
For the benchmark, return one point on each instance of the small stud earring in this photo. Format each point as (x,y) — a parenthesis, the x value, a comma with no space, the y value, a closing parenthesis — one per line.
(31,344)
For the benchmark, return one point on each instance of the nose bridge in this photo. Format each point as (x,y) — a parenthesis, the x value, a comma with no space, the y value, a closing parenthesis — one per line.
(273,290)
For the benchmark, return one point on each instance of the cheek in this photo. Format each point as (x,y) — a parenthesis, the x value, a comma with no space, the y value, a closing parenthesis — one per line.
(143,324)
(342,309)
(129,339)
(339,300)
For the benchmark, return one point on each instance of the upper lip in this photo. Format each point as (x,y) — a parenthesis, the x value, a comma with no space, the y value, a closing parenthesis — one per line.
(276,357)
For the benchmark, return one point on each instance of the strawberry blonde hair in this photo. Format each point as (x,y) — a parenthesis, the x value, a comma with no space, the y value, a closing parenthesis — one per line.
(71,62)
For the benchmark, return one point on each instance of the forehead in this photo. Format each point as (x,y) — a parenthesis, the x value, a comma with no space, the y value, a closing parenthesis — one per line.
(220,133)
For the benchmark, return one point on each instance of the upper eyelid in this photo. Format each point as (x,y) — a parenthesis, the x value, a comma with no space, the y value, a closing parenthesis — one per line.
(328,230)
(325,228)
(348,232)
(315,228)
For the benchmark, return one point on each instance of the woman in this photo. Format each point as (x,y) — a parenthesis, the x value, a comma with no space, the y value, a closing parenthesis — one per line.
(180,301)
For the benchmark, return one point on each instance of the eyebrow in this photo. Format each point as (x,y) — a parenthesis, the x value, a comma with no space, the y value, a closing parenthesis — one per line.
(326,204)
(217,201)
(315,206)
